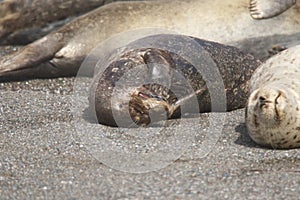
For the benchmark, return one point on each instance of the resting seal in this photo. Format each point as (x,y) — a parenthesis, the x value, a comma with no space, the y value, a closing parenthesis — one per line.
(23,21)
(61,52)
(234,67)
(20,14)
(273,110)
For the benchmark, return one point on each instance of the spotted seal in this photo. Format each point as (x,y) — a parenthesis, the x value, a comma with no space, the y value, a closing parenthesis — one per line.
(234,66)
(23,21)
(19,14)
(263,9)
(273,110)
(61,52)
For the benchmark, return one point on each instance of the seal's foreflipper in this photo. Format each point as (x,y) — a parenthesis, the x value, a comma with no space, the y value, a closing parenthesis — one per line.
(263,9)
(33,60)
(160,65)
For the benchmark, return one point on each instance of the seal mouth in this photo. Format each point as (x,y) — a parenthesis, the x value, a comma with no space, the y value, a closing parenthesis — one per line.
(143,95)
(270,107)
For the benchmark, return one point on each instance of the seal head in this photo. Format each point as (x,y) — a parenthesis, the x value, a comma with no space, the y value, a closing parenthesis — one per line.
(269,119)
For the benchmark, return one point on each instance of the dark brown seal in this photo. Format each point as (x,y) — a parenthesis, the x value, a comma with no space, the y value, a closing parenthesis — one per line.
(234,66)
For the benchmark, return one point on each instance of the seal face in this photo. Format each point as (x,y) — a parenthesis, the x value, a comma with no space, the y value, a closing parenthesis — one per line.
(142,101)
(273,110)
(263,9)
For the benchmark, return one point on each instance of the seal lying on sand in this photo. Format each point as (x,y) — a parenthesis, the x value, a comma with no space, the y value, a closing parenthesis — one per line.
(273,111)
(20,14)
(60,53)
(23,21)
(235,70)
(263,9)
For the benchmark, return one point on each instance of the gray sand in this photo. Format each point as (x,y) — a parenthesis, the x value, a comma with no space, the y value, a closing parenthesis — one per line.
(42,156)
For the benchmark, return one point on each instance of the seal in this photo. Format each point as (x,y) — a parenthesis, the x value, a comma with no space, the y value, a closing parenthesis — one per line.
(273,109)
(263,9)
(20,14)
(61,52)
(234,66)
(24,21)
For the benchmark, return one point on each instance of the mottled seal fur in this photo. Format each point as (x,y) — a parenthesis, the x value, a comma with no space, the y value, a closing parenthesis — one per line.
(263,9)
(61,52)
(234,66)
(273,110)
(23,21)
(20,14)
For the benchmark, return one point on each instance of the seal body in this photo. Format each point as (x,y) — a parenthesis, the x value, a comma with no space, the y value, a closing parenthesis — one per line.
(61,52)
(19,14)
(234,66)
(273,110)
(23,21)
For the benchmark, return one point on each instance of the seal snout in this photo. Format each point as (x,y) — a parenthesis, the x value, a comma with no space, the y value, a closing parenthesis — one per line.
(268,104)
(263,101)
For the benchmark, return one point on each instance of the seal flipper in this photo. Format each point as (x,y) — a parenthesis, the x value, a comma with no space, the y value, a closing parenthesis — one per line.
(160,65)
(263,9)
(33,60)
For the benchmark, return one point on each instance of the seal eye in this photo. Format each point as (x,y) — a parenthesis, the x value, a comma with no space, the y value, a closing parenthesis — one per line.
(146,96)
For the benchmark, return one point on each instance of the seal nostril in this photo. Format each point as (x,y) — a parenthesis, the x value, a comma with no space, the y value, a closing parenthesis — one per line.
(262,101)
(261,98)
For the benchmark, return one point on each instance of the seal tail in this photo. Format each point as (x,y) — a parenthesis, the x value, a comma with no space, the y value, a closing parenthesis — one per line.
(32,60)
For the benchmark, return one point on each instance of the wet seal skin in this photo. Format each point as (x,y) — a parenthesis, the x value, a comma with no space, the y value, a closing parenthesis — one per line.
(234,66)
(273,110)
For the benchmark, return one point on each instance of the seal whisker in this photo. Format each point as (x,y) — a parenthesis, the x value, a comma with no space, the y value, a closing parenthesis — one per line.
(184,100)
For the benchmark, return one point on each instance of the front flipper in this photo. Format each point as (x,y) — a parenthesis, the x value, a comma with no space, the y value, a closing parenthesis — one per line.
(263,9)
(33,60)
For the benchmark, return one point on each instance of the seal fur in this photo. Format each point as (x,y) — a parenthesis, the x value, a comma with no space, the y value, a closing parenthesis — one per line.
(234,66)
(273,110)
